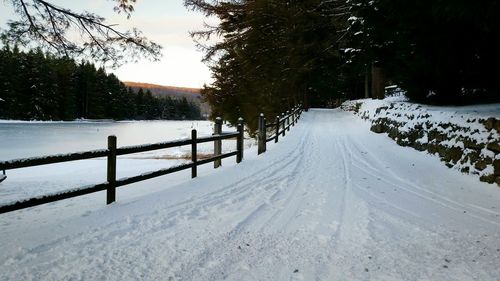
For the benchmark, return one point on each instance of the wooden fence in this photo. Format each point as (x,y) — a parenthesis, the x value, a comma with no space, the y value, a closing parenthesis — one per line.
(112,152)
(284,122)
(279,127)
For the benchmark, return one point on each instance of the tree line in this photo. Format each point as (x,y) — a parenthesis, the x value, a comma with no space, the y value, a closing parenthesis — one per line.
(276,53)
(39,86)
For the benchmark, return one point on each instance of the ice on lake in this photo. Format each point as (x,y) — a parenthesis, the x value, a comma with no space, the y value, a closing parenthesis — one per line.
(28,139)
(32,139)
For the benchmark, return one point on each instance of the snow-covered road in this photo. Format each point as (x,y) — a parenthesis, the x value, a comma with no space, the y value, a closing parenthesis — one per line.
(331,201)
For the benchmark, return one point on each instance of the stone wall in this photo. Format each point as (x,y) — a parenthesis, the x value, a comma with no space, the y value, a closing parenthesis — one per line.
(471,145)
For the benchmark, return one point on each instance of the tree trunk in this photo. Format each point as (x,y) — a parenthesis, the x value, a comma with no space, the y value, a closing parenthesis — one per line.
(367,83)
(378,82)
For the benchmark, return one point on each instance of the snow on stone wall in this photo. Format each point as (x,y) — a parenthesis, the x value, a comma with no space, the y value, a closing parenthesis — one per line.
(466,138)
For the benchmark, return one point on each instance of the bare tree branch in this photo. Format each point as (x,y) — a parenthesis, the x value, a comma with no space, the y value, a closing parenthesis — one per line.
(86,35)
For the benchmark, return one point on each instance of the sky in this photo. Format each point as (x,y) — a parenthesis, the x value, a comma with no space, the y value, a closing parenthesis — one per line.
(166,22)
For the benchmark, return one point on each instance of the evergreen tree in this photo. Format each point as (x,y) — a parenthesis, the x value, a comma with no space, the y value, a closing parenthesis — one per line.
(35,85)
(439,51)
(274,54)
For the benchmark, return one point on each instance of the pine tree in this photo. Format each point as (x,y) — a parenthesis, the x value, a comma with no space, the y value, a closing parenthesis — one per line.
(439,51)
(40,86)
(274,54)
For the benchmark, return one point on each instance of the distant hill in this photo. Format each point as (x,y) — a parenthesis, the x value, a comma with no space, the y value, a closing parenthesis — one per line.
(160,89)
(191,94)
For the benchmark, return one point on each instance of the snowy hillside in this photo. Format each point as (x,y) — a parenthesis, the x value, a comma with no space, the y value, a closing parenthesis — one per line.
(466,138)
(331,201)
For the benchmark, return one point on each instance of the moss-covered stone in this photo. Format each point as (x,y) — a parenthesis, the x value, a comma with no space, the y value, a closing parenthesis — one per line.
(494,146)
(420,146)
(455,154)
(497,126)
(378,110)
(473,156)
(468,143)
(377,128)
(402,142)
(496,167)
(393,132)
(443,152)
(432,148)
(444,125)
(492,123)
(450,154)
(480,165)
(414,135)
(488,178)
(441,137)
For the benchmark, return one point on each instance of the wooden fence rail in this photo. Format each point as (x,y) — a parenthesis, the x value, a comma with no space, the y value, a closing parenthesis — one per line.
(279,127)
(113,151)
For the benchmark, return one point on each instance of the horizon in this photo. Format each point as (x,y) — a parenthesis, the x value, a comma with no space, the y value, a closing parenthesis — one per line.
(145,85)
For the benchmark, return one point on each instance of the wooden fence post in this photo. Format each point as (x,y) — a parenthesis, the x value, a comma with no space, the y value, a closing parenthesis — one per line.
(288,120)
(239,142)
(261,134)
(218,143)
(111,175)
(277,129)
(293,116)
(194,154)
(283,117)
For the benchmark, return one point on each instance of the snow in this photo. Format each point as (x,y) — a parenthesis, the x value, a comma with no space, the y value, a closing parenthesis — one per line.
(330,201)
(405,112)
(458,123)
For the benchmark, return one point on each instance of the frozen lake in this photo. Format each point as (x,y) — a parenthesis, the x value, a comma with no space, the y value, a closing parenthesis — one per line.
(30,139)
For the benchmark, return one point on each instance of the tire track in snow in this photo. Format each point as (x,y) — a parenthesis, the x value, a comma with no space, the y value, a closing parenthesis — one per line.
(267,208)
(390,178)
(170,215)
(302,215)
(281,214)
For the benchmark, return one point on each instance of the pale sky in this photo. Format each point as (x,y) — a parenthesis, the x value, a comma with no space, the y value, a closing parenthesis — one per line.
(166,22)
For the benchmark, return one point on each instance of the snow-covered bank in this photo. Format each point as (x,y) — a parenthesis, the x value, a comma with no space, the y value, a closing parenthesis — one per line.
(330,201)
(466,138)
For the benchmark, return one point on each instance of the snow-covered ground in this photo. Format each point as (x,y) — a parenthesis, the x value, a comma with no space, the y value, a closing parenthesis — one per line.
(331,201)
